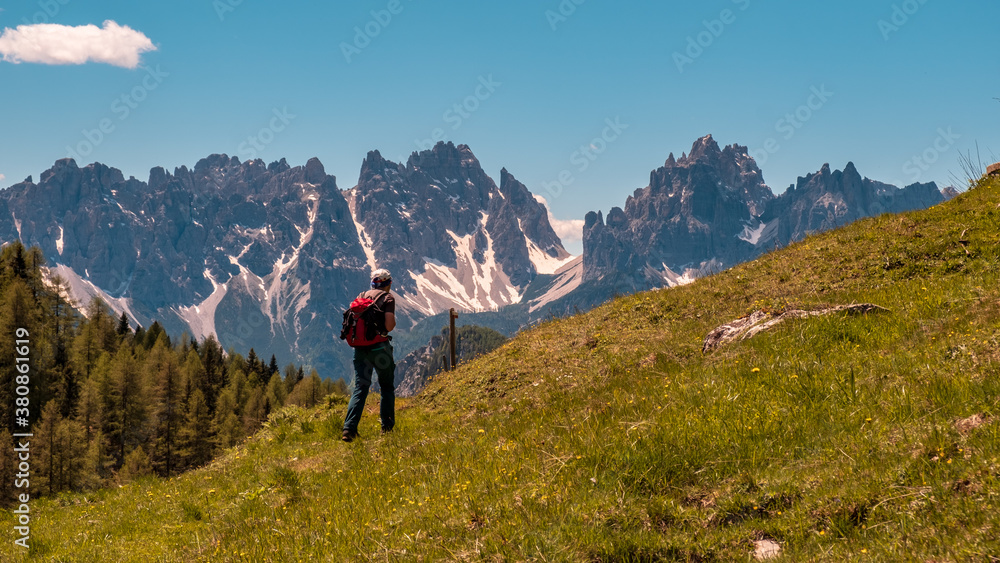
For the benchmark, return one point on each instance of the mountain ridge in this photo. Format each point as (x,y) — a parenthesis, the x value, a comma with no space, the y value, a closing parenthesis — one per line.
(256,253)
(711,209)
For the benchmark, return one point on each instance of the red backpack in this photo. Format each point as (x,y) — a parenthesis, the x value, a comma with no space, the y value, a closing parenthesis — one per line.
(364,322)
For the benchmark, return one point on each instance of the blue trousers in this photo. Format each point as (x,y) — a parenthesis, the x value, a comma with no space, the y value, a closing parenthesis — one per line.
(379,359)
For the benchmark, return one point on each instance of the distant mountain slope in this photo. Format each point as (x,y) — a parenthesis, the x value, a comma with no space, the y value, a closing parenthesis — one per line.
(418,367)
(268,256)
(711,209)
(452,237)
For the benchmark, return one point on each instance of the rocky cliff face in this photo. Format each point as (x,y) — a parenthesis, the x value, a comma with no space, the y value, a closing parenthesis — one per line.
(235,249)
(830,199)
(268,256)
(451,236)
(711,209)
(688,219)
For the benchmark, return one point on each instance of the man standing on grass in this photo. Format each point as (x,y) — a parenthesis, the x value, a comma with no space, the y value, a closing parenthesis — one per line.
(374,318)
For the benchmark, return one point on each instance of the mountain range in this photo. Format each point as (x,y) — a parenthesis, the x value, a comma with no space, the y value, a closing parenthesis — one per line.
(711,209)
(267,256)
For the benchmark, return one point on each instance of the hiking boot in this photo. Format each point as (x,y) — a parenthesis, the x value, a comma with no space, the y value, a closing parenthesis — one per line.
(347,436)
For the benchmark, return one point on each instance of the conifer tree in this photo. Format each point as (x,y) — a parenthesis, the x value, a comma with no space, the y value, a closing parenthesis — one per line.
(61,381)
(96,463)
(196,438)
(120,400)
(135,466)
(255,412)
(253,364)
(168,415)
(212,359)
(229,430)
(196,376)
(291,377)
(96,335)
(272,367)
(257,370)
(71,452)
(339,386)
(276,393)
(123,327)
(153,334)
(140,336)
(45,452)
(126,404)
(307,393)
(88,411)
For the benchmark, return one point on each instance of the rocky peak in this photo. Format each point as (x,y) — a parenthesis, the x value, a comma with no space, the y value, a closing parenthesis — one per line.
(704,148)
(62,168)
(828,198)
(315,173)
(442,211)
(279,166)
(215,161)
(693,207)
(158,176)
(444,156)
(375,165)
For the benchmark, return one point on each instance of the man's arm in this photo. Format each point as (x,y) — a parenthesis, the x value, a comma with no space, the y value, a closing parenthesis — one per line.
(390,321)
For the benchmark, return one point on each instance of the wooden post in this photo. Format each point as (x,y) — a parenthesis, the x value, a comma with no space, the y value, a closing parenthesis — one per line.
(452,316)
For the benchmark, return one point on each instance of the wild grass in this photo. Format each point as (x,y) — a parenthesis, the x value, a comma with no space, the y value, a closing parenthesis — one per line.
(610,436)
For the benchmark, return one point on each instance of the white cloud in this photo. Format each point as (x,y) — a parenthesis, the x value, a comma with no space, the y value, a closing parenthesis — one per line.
(569,230)
(54,44)
(2,177)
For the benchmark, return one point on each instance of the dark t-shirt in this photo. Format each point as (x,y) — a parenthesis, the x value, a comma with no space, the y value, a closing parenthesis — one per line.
(387,303)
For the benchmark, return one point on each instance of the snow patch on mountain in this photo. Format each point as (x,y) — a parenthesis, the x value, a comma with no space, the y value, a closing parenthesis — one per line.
(285,295)
(82,291)
(470,285)
(59,241)
(567,279)
(690,275)
(752,235)
(364,239)
(200,317)
(545,264)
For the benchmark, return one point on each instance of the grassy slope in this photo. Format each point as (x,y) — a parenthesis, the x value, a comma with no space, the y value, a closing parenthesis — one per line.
(609,436)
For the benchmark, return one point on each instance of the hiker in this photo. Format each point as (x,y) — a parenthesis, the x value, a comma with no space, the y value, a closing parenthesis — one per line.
(375,308)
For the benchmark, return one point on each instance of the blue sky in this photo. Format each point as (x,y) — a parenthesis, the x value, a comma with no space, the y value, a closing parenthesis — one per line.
(876,82)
